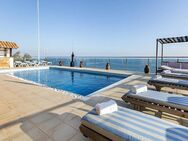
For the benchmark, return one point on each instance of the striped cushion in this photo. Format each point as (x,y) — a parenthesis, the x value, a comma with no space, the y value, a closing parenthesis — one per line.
(175,75)
(176,82)
(185,71)
(163,98)
(127,124)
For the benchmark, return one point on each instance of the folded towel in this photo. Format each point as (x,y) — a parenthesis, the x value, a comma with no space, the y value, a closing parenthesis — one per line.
(163,67)
(157,77)
(166,71)
(139,88)
(106,107)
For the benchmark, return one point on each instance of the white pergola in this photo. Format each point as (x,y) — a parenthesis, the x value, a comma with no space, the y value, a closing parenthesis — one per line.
(164,41)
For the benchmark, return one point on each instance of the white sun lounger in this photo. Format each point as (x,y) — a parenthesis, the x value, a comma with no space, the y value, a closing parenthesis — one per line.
(29,63)
(174,74)
(20,64)
(129,125)
(174,70)
(161,101)
(168,82)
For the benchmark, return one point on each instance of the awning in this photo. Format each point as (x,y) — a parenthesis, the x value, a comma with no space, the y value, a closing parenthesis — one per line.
(6,44)
(173,40)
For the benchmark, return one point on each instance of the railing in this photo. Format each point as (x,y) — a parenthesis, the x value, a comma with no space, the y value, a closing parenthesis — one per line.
(179,64)
(130,64)
(136,64)
(124,63)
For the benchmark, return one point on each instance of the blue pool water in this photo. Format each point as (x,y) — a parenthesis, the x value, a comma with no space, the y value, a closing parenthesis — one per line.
(72,81)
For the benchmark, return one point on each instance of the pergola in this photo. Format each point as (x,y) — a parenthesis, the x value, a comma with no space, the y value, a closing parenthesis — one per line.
(164,41)
(8,45)
(6,59)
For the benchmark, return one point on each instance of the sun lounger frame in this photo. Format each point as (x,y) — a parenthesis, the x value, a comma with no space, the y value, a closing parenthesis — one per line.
(139,104)
(87,132)
(93,128)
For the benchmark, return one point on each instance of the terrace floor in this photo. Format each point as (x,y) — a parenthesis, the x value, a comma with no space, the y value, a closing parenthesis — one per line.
(32,113)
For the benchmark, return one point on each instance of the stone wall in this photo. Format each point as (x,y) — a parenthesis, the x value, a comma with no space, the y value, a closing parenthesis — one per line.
(6,62)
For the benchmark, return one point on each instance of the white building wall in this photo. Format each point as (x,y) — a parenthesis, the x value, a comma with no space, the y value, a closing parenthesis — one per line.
(5,58)
(8,53)
(11,62)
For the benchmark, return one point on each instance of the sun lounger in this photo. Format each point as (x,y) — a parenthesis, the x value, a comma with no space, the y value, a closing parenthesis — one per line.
(185,71)
(49,63)
(38,63)
(30,63)
(174,70)
(20,64)
(35,63)
(130,125)
(163,102)
(44,63)
(168,82)
(174,75)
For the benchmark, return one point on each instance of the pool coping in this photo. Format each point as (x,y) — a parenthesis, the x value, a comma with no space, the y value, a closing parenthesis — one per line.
(128,76)
(100,91)
(22,69)
(95,70)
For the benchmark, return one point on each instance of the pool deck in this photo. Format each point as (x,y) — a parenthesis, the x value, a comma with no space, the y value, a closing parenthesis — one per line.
(29,112)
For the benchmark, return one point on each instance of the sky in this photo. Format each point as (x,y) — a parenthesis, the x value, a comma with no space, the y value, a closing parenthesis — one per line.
(94,27)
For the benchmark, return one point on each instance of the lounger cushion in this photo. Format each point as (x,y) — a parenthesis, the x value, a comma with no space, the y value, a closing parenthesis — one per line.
(171,81)
(180,71)
(175,70)
(175,75)
(127,124)
(163,98)
(163,67)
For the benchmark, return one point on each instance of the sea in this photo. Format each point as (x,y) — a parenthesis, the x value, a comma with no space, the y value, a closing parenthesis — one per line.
(136,64)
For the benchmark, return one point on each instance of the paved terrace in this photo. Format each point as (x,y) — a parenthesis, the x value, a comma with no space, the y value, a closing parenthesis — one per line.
(32,113)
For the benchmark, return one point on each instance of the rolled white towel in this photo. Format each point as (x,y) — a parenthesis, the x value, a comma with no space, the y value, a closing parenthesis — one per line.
(166,71)
(106,107)
(157,77)
(139,88)
(163,67)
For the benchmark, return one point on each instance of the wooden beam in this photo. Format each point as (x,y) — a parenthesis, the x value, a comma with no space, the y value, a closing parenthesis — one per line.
(161,53)
(156,66)
(10,52)
(87,132)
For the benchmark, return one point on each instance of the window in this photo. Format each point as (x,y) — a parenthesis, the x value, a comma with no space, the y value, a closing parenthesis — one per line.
(2,52)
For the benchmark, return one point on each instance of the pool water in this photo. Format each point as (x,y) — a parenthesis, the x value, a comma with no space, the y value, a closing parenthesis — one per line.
(73,81)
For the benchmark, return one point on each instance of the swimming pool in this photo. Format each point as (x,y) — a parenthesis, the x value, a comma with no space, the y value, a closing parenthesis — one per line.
(81,83)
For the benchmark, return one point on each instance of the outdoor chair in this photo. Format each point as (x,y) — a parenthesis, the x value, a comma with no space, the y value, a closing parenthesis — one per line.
(29,63)
(20,64)
(171,74)
(175,70)
(160,101)
(168,82)
(126,124)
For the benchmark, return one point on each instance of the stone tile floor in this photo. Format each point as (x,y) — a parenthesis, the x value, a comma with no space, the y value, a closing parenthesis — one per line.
(33,113)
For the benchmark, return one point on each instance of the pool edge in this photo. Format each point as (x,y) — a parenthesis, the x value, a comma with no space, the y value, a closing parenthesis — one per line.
(75,95)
